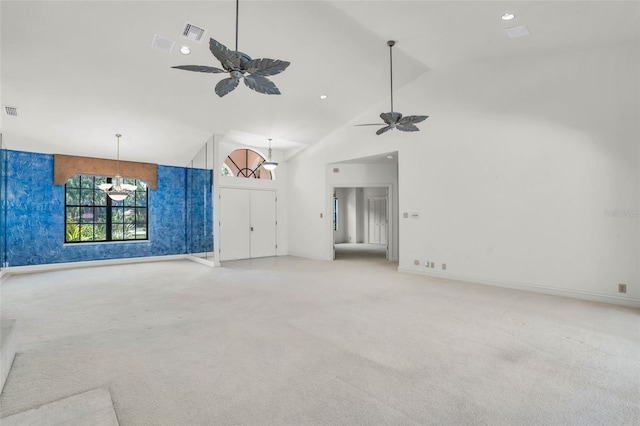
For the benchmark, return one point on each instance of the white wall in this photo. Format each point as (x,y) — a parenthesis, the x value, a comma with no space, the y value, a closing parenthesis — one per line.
(351,212)
(360,216)
(510,176)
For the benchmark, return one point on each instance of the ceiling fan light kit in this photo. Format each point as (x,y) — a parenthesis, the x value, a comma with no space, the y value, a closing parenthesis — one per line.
(395,120)
(240,66)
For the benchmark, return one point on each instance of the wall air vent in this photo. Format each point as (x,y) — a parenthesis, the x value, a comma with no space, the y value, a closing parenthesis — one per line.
(162,43)
(11,111)
(193,32)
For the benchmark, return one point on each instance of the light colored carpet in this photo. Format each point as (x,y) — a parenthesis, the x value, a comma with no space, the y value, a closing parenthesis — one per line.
(289,341)
(92,408)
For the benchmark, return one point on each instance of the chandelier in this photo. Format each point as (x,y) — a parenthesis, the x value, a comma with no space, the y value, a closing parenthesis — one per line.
(269,165)
(116,190)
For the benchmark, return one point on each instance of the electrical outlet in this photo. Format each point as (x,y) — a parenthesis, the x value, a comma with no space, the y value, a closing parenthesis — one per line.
(433,265)
(416,262)
(444,266)
(622,288)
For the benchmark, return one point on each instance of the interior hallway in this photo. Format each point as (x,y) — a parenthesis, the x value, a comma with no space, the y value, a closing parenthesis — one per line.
(354,251)
(287,340)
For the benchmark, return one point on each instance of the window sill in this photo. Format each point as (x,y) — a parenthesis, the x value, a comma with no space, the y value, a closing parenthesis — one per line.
(96,243)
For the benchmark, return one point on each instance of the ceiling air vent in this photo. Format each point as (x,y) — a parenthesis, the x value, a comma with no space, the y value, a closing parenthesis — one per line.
(162,43)
(11,111)
(193,32)
(515,32)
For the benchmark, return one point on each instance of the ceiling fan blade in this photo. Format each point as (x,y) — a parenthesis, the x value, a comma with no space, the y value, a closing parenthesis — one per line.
(390,117)
(407,127)
(371,124)
(412,119)
(227,58)
(265,66)
(384,129)
(261,84)
(226,85)
(199,68)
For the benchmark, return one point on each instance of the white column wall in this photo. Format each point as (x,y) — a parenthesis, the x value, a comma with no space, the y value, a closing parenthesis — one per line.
(351,215)
(360,216)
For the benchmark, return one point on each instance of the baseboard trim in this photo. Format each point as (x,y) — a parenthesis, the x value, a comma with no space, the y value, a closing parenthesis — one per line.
(31,269)
(584,295)
(201,261)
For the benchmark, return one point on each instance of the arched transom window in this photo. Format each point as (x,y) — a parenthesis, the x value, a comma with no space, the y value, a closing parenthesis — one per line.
(245,163)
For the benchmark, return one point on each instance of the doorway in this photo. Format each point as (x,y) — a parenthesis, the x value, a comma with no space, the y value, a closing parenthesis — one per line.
(361,222)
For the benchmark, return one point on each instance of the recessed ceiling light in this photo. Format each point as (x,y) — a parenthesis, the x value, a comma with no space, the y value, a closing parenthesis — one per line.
(323,97)
(185,50)
(508,16)
(390,157)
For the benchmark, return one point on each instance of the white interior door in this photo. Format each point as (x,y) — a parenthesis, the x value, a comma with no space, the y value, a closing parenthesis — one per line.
(377,220)
(235,224)
(263,223)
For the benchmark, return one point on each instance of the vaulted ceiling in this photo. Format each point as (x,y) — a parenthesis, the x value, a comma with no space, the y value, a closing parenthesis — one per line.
(81,71)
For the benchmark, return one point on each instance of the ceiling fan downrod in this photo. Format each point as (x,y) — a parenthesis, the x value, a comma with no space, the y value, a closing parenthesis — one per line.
(391,43)
(237,14)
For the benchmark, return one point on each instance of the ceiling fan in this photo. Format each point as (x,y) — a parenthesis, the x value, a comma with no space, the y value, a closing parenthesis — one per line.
(395,120)
(240,66)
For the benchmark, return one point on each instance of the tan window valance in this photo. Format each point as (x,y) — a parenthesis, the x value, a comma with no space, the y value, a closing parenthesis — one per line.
(67,166)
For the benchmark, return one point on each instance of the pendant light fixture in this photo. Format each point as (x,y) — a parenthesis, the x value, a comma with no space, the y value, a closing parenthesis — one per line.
(117,190)
(270,165)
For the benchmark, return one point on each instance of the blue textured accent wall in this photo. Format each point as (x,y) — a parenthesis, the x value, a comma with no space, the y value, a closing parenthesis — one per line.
(3,206)
(35,216)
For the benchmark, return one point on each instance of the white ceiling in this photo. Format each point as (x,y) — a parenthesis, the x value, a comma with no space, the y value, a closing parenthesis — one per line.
(81,71)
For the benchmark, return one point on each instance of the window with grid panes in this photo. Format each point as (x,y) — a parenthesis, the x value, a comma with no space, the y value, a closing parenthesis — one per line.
(91,216)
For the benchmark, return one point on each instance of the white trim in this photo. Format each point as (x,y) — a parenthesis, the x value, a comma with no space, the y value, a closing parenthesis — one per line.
(308,256)
(576,294)
(202,261)
(16,270)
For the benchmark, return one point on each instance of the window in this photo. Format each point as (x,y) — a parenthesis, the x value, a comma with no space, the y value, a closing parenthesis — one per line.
(91,216)
(245,163)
